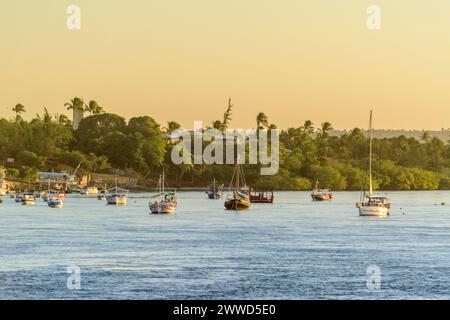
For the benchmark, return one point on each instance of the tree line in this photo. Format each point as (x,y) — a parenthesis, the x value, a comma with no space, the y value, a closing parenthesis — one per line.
(108,143)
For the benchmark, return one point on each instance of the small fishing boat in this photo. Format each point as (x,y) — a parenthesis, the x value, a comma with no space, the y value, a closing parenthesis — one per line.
(117,196)
(55,202)
(19,196)
(214,191)
(238,200)
(164,202)
(28,199)
(370,204)
(261,196)
(321,194)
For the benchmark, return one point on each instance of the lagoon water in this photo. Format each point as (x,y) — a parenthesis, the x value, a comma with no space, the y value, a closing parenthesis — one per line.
(293,249)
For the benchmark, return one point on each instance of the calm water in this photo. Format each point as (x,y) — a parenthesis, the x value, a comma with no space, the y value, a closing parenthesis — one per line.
(293,249)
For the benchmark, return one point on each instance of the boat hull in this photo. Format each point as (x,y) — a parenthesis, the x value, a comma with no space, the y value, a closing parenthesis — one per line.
(321,197)
(162,208)
(116,200)
(28,202)
(237,204)
(373,211)
(55,204)
(214,196)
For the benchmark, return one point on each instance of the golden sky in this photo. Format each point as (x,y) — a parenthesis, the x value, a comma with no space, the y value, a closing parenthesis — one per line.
(181,60)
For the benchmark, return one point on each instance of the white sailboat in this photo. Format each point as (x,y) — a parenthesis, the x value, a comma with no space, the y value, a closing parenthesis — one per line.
(370,204)
(117,196)
(164,202)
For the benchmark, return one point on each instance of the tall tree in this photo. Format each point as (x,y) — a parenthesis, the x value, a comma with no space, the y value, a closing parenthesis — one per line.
(18,110)
(75,103)
(227,116)
(262,121)
(93,108)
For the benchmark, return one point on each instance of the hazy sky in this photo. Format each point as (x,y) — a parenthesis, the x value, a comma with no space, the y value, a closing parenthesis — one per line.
(181,60)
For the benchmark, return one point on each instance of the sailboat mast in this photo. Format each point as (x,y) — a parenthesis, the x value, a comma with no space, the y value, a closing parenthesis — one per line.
(238,178)
(370,155)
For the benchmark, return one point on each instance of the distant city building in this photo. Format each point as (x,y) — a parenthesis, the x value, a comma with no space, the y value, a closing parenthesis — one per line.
(77,117)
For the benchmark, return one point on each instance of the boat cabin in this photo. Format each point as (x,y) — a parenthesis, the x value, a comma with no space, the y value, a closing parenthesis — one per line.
(261,195)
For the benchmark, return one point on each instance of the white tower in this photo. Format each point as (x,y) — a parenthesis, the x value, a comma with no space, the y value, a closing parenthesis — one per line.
(77,117)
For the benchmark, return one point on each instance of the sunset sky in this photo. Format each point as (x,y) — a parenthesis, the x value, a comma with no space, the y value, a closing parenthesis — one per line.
(181,60)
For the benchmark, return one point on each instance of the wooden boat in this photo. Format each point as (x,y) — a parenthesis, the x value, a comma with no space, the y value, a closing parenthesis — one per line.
(238,200)
(370,204)
(164,202)
(214,191)
(261,196)
(28,199)
(117,196)
(321,194)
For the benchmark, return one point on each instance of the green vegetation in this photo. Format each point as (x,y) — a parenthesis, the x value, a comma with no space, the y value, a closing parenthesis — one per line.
(105,142)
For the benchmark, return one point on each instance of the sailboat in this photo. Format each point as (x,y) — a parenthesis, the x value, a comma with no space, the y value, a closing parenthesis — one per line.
(371,204)
(214,191)
(321,194)
(117,196)
(238,200)
(164,202)
(52,194)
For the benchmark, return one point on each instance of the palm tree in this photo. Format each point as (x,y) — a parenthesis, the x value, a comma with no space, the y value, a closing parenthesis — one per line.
(93,108)
(326,126)
(75,103)
(308,127)
(18,109)
(227,116)
(217,125)
(172,126)
(262,121)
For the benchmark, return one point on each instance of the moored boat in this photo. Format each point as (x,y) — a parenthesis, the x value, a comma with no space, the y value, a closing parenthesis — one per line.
(238,200)
(370,204)
(55,202)
(117,196)
(28,199)
(164,202)
(321,194)
(214,191)
(261,195)
(89,191)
